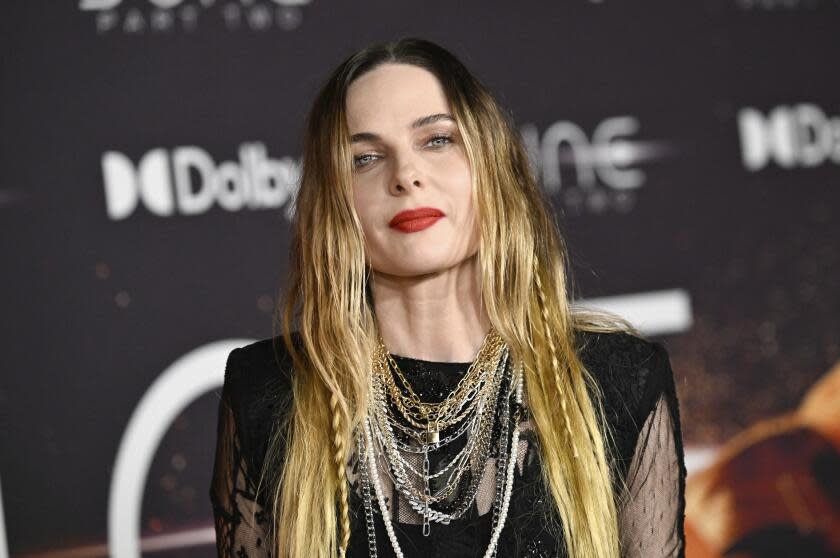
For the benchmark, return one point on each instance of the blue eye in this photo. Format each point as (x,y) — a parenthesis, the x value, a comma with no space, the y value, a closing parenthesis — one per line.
(445,140)
(363,160)
(366,159)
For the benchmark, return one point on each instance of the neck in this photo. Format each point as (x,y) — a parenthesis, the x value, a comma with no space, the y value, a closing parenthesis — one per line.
(436,317)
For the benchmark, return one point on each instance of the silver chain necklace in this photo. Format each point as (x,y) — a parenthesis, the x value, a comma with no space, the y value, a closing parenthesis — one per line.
(479,446)
(378,440)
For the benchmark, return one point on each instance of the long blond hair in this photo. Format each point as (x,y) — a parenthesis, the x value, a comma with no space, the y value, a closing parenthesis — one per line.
(524,286)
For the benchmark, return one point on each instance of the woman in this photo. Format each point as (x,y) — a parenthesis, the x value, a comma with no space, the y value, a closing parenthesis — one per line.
(432,392)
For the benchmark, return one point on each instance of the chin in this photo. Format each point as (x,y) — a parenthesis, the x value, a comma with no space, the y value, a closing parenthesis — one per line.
(418,266)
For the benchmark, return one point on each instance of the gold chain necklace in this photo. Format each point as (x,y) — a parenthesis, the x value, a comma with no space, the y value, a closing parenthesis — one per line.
(434,417)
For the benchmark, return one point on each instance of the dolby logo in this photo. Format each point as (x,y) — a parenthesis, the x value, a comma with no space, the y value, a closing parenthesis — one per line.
(790,136)
(187,181)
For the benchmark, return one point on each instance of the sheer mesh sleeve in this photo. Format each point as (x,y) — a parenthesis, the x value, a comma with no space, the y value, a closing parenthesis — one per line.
(651,515)
(240,521)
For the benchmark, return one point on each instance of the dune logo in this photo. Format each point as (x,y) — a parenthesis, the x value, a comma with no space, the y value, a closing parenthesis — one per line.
(137,17)
(791,136)
(188,182)
(606,158)
(598,171)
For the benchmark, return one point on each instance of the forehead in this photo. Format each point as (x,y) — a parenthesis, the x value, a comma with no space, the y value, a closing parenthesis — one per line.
(393,95)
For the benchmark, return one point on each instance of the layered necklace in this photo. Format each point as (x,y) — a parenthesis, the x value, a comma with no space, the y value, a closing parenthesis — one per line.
(488,398)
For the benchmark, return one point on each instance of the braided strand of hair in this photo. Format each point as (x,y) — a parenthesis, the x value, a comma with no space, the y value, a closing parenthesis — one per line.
(338,442)
(555,362)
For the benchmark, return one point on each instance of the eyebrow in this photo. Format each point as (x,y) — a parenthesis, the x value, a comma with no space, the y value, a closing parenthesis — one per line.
(418,123)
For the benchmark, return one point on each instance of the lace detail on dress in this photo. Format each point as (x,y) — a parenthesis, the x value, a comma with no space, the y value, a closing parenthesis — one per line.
(241,523)
(640,405)
(649,514)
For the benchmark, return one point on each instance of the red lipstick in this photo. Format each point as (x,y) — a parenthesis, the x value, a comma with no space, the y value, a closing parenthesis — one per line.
(414,220)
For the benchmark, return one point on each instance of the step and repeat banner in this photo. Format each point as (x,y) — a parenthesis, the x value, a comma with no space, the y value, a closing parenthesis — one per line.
(150,151)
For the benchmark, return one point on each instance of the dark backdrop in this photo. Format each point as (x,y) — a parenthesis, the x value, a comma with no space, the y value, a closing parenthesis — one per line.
(149,151)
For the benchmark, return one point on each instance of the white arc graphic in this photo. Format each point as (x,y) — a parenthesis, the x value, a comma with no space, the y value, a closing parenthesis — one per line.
(184,381)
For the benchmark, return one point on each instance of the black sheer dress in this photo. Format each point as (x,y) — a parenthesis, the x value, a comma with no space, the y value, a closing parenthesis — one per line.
(641,407)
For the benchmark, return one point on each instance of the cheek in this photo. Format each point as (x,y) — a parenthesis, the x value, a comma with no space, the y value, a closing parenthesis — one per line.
(469,211)
(457,168)
(364,206)
(368,208)
(460,178)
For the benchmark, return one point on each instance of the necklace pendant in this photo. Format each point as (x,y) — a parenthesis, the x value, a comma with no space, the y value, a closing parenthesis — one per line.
(431,436)
(432,433)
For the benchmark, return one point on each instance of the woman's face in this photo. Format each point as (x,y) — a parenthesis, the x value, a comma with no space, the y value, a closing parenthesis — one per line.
(407,156)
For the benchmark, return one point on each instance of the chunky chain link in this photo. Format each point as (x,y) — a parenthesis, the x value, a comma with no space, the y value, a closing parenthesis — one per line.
(457,404)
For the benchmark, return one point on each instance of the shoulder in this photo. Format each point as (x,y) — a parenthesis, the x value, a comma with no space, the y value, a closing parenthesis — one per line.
(266,360)
(258,389)
(619,347)
(632,372)
(264,366)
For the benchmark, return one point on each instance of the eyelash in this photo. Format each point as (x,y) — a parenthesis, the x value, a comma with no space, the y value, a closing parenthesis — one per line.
(357,160)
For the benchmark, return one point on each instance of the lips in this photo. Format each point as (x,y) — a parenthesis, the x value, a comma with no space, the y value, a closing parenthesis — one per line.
(413,220)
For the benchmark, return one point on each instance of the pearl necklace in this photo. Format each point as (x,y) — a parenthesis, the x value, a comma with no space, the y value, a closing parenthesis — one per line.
(370,468)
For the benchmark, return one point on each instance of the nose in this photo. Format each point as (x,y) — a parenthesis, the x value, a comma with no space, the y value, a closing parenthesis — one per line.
(405,176)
